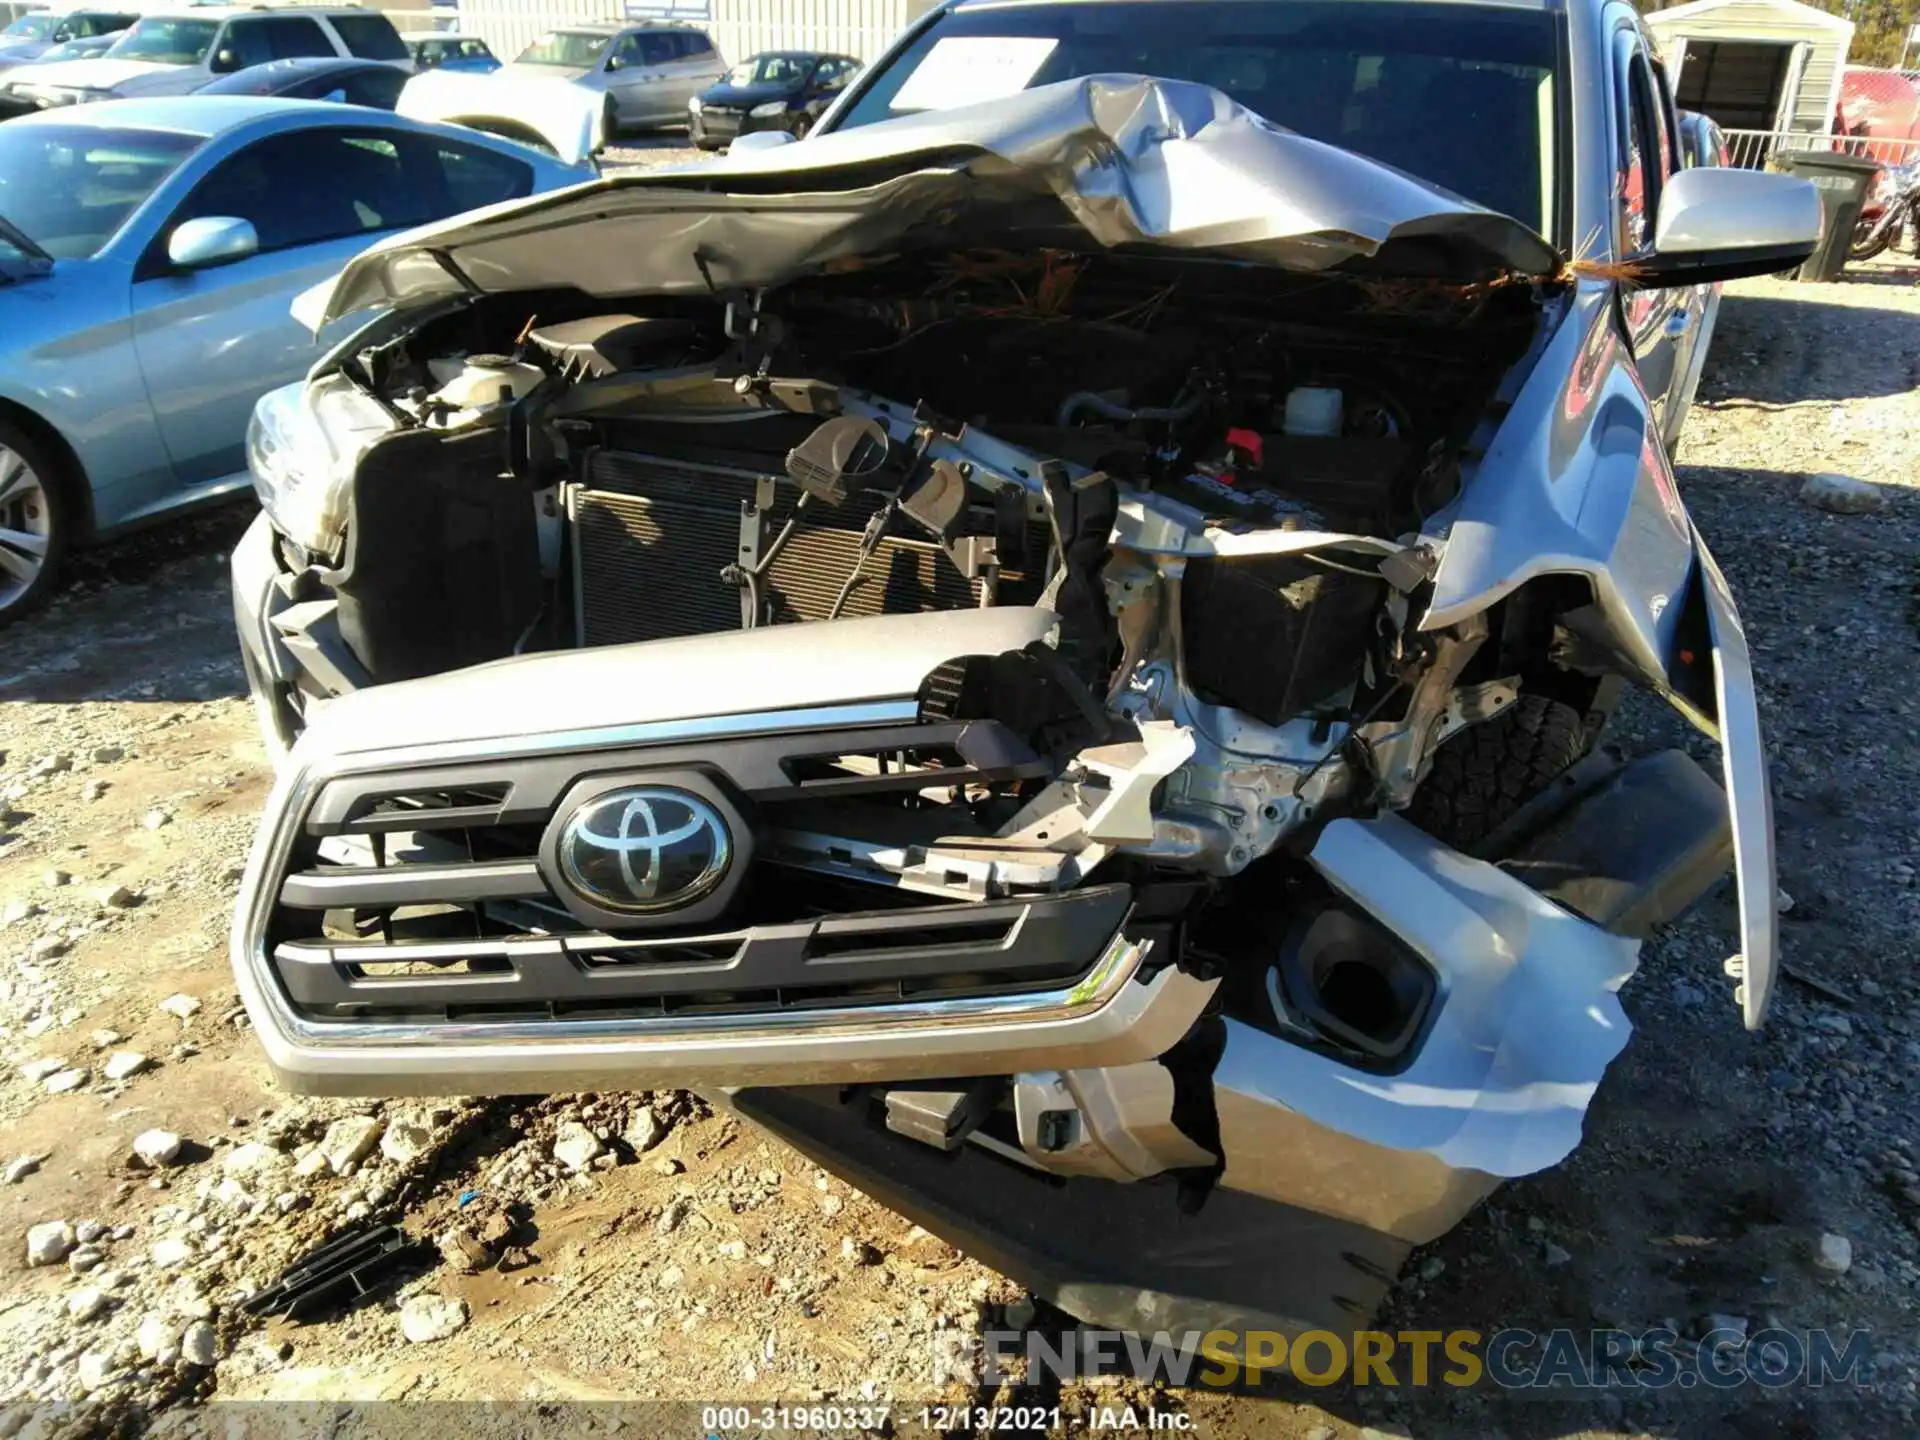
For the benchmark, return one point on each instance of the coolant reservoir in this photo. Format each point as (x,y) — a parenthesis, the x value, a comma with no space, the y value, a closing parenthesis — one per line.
(474,382)
(1313,410)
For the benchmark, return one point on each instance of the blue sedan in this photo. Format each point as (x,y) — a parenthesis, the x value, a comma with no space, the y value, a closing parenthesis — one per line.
(149,250)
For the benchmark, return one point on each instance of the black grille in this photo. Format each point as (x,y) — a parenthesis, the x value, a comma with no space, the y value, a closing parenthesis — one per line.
(653,537)
(447,910)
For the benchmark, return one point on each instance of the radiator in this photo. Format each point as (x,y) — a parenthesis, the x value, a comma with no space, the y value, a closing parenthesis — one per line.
(651,537)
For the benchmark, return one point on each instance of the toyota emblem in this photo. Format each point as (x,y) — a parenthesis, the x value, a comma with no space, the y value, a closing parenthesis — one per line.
(645,849)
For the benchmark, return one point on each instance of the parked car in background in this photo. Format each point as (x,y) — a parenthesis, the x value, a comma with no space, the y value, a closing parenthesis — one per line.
(350,82)
(450,50)
(177,52)
(32,35)
(780,90)
(149,250)
(575,88)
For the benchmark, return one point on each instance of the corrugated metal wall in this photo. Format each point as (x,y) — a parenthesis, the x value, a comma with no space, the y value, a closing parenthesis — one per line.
(1782,23)
(739,27)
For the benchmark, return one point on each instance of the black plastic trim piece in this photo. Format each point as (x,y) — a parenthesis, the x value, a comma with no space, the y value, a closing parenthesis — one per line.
(1048,938)
(382,886)
(759,768)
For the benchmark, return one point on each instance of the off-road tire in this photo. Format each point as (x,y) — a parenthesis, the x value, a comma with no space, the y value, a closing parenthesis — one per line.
(1482,775)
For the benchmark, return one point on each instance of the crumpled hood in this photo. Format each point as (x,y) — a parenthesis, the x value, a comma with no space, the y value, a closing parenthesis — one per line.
(124,77)
(1134,161)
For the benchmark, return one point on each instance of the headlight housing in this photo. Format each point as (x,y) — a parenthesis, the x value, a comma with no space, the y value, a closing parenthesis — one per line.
(768,110)
(302,446)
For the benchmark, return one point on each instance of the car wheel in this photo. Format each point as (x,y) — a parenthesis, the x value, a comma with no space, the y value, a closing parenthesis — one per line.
(33,523)
(1482,775)
(609,122)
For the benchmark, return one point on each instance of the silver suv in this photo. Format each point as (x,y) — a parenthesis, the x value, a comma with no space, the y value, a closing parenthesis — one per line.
(176,53)
(648,71)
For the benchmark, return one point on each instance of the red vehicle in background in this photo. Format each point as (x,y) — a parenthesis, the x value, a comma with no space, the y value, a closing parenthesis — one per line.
(1879,112)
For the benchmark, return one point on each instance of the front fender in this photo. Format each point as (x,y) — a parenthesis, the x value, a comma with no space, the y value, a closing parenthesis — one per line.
(1577,483)
(1743,758)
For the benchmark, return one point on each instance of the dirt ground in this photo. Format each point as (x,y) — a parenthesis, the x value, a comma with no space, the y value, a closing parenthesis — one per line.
(714,1264)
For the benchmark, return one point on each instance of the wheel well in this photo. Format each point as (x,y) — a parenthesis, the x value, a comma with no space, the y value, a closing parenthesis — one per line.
(72,477)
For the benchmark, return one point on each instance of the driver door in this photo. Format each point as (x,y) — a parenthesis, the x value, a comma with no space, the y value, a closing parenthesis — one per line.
(211,341)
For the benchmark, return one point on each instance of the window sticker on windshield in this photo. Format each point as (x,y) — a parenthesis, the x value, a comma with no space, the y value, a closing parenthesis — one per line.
(964,70)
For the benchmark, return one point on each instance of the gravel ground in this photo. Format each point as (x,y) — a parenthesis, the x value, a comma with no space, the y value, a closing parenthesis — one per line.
(648,1247)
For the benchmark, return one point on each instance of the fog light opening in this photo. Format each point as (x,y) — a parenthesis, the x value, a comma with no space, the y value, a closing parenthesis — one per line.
(1356,984)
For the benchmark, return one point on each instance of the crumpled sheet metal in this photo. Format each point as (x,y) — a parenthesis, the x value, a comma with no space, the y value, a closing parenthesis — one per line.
(1133,160)
(1529,1015)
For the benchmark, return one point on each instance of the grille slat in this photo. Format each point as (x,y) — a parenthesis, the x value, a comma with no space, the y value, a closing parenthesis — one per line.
(957,949)
(346,886)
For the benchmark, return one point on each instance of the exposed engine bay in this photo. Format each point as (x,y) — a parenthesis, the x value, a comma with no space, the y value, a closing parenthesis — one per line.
(1216,477)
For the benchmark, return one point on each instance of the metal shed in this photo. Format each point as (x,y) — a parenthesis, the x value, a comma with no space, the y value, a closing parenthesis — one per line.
(739,27)
(1766,65)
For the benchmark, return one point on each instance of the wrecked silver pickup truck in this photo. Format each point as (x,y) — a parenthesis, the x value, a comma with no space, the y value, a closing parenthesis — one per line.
(1055,650)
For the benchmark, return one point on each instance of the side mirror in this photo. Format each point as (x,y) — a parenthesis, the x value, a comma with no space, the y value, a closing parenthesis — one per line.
(1717,225)
(759,140)
(225,62)
(211,240)
(616,62)
(61,35)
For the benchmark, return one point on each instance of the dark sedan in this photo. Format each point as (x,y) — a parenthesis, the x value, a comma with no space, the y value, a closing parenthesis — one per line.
(780,90)
(316,77)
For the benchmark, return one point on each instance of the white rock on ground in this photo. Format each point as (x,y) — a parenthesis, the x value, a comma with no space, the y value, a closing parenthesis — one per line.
(66,1081)
(350,1141)
(252,1158)
(96,1369)
(46,1065)
(1834,1253)
(21,1166)
(105,1039)
(181,1007)
(85,1303)
(405,1143)
(199,1346)
(123,1063)
(158,1339)
(1842,494)
(426,1318)
(576,1146)
(172,1252)
(644,1130)
(156,1148)
(48,1243)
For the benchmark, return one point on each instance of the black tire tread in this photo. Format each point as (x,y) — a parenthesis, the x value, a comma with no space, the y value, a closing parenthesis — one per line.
(1482,775)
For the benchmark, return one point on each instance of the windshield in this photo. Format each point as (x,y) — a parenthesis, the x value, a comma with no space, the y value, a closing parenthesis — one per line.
(69,188)
(167,42)
(565,47)
(1460,95)
(38,26)
(771,70)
